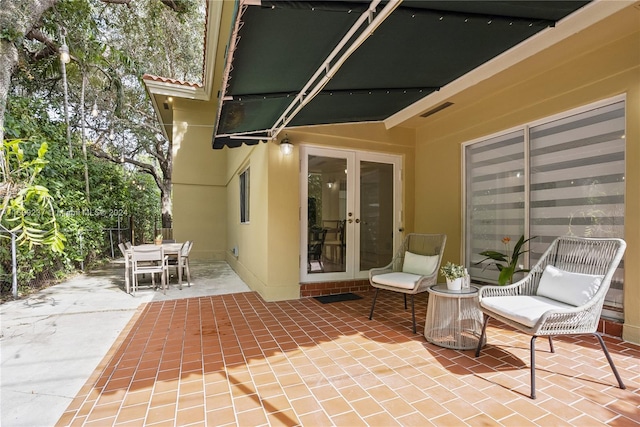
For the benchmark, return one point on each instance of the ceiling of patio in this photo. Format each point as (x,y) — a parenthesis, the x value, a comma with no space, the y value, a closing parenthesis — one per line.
(418,48)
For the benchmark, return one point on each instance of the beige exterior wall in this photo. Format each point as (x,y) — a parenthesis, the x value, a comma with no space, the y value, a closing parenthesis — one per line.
(595,64)
(602,63)
(199,182)
(269,246)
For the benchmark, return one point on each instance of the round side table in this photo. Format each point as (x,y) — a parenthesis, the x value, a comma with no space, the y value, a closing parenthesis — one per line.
(454,319)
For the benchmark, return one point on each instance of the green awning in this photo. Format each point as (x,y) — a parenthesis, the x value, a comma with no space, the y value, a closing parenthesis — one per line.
(420,47)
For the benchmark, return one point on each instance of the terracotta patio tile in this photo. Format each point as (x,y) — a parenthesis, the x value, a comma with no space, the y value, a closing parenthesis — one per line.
(415,419)
(335,406)
(349,371)
(351,419)
(165,398)
(397,407)
(276,404)
(325,392)
(305,405)
(161,414)
(221,417)
(382,419)
(131,413)
(254,417)
(190,400)
(283,418)
(297,391)
(221,400)
(366,407)
(318,418)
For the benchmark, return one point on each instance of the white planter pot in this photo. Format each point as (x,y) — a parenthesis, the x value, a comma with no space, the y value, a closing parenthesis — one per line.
(455,284)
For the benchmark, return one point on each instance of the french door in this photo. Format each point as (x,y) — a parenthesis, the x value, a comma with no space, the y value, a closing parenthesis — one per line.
(350,212)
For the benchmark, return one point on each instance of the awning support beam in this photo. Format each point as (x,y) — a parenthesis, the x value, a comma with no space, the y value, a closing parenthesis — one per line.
(313,86)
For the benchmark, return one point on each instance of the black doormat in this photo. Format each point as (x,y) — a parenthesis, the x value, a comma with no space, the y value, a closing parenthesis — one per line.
(326,299)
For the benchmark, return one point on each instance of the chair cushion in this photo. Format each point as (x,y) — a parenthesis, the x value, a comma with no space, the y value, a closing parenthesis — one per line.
(397,279)
(424,265)
(524,309)
(570,288)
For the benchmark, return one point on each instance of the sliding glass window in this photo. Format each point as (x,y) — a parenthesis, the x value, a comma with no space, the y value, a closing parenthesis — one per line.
(560,176)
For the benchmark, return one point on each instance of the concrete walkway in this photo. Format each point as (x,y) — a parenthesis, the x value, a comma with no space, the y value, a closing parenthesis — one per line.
(51,342)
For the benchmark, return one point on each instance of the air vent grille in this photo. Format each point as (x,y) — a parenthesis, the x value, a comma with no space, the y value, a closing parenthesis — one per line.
(436,109)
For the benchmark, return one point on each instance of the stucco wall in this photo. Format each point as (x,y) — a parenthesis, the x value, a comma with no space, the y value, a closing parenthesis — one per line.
(199,182)
(269,247)
(586,68)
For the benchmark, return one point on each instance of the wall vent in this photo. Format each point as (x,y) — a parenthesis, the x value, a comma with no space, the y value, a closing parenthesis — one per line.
(436,109)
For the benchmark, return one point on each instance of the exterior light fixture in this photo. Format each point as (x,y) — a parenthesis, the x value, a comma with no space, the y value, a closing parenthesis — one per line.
(64,53)
(286,147)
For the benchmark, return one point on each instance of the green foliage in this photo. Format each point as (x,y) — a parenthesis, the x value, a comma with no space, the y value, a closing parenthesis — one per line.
(507,264)
(28,212)
(452,271)
(117,193)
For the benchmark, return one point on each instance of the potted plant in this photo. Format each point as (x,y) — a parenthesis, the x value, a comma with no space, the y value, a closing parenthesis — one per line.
(158,239)
(507,264)
(454,274)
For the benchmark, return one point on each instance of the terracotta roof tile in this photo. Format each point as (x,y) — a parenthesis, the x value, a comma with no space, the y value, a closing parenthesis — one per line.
(169,80)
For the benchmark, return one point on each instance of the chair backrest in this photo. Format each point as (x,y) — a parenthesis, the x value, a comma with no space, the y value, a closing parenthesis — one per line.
(186,248)
(127,245)
(147,253)
(420,244)
(581,255)
(316,242)
(122,249)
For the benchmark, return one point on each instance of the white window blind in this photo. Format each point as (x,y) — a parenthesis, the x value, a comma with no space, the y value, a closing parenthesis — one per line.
(495,195)
(577,181)
(574,186)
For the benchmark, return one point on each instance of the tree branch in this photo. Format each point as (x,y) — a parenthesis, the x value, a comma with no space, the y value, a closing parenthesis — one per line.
(50,49)
(126,2)
(175,5)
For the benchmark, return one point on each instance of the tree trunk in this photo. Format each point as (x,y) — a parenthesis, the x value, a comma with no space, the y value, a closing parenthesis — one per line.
(167,206)
(83,137)
(17,18)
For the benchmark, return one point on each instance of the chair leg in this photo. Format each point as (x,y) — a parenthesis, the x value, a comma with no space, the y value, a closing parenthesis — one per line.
(405,301)
(610,360)
(533,367)
(413,313)
(373,304)
(482,334)
(551,345)
(186,264)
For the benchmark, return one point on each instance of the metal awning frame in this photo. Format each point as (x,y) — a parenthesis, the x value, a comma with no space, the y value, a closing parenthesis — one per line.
(323,74)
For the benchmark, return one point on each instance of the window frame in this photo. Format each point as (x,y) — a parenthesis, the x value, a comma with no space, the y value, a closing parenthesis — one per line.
(244,179)
(467,258)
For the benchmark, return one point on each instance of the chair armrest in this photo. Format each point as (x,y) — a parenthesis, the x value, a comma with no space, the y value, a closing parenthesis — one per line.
(581,319)
(519,288)
(426,281)
(380,270)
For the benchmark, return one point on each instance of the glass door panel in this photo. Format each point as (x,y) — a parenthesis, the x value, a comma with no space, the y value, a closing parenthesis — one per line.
(352,202)
(326,214)
(376,214)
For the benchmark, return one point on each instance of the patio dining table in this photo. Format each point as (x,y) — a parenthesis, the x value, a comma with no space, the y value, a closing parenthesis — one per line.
(172,250)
